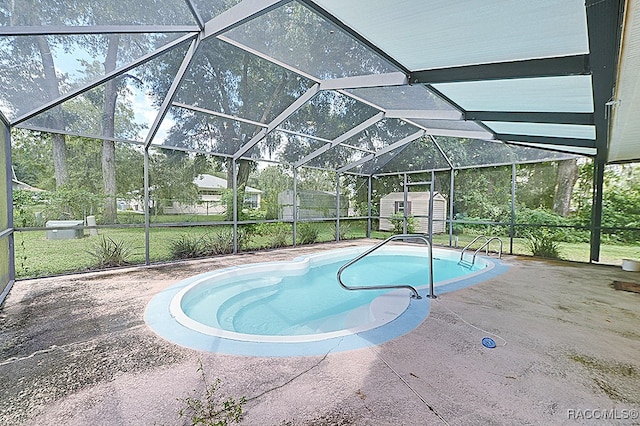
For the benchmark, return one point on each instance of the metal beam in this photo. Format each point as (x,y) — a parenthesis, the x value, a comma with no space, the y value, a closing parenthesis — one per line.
(306,96)
(194,12)
(424,114)
(569,142)
(604,24)
(386,149)
(547,67)
(239,14)
(374,80)
(345,136)
(579,118)
(356,163)
(354,34)
(168,99)
(96,29)
(401,142)
(218,114)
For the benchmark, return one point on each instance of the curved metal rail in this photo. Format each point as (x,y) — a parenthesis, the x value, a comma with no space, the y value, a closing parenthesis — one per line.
(484,246)
(380,287)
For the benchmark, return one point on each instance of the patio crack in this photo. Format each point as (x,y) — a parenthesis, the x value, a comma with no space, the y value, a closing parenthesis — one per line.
(294,377)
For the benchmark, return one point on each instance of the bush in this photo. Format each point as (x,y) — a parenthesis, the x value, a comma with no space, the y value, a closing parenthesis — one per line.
(215,243)
(544,244)
(278,236)
(344,229)
(110,253)
(212,409)
(397,220)
(187,247)
(308,233)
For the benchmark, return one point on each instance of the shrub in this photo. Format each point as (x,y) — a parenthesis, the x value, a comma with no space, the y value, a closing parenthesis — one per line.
(397,220)
(186,247)
(344,229)
(110,253)
(278,236)
(211,244)
(308,233)
(544,244)
(212,409)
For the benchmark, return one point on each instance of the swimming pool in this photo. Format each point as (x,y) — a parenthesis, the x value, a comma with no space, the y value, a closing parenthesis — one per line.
(249,310)
(301,300)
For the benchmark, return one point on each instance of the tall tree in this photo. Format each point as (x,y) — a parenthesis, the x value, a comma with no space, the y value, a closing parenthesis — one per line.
(108,131)
(565,182)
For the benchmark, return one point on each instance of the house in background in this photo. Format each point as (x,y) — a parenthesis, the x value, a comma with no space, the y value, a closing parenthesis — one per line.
(210,191)
(18,185)
(417,206)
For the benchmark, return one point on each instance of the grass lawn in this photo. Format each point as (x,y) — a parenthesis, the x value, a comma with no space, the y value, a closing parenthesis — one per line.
(36,256)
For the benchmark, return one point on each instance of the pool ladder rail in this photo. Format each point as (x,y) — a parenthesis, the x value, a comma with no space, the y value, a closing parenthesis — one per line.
(484,246)
(414,292)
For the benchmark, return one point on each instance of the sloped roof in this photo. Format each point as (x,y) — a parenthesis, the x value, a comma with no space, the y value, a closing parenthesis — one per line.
(206,181)
(350,86)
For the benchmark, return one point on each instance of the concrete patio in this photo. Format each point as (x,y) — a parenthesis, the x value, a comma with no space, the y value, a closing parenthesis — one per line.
(75,350)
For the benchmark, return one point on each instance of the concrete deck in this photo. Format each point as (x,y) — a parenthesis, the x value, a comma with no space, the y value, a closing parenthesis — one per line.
(75,350)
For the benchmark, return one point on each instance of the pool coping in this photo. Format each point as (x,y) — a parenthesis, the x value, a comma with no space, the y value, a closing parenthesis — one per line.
(160,319)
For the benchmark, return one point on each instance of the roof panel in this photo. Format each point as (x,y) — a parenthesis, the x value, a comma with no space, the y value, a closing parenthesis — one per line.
(543,129)
(407,97)
(473,152)
(456,128)
(545,94)
(193,130)
(298,37)
(28,82)
(434,34)
(209,9)
(94,12)
(139,93)
(419,155)
(328,115)
(289,148)
(229,80)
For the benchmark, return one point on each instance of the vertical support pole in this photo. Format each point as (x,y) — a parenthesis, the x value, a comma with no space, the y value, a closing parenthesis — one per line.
(337,207)
(596,209)
(10,225)
(235,205)
(294,209)
(512,228)
(433,179)
(451,182)
(406,201)
(147,208)
(369,194)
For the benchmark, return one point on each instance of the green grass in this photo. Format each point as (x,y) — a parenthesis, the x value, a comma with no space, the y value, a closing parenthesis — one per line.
(35,256)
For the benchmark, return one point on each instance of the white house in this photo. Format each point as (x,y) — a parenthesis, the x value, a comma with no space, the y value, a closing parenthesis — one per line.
(210,191)
(418,207)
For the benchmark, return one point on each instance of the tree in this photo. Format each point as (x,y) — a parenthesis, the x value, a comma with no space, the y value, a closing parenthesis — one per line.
(272,180)
(565,182)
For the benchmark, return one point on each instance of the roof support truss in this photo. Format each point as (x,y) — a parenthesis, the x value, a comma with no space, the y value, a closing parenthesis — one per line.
(342,138)
(306,96)
(547,67)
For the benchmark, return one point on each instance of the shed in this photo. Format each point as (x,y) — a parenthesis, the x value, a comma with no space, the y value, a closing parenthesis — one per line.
(310,204)
(418,207)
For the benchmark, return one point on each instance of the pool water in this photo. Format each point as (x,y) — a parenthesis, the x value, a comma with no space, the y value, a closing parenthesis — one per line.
(304,298)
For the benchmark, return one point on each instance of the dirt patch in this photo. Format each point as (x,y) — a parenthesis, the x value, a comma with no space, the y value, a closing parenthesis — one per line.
(626,286)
